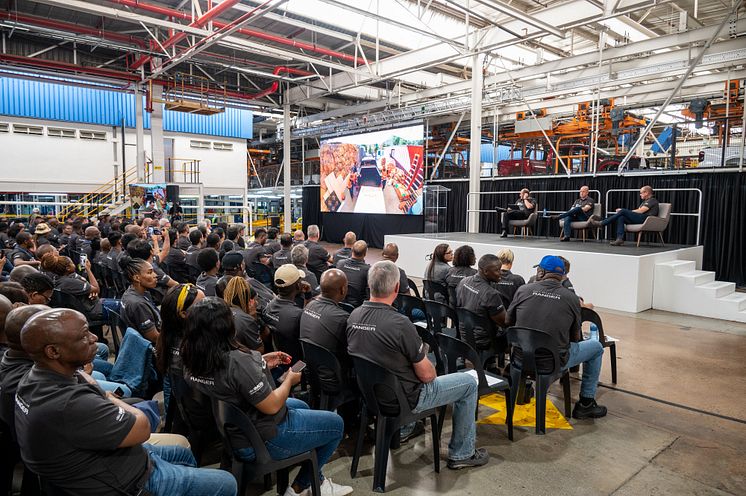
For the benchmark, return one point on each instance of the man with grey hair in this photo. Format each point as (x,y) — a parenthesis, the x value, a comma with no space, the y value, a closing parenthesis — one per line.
(356,271)
(299,258)
(378,333)
(318,258)
(346,252)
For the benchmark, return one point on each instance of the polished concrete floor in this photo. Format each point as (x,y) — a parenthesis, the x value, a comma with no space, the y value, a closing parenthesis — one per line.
(676,425)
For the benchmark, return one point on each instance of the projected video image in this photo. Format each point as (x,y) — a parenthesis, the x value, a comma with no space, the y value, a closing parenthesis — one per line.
(379,172)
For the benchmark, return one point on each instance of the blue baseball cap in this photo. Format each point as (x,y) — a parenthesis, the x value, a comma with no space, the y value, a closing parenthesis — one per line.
(552,263)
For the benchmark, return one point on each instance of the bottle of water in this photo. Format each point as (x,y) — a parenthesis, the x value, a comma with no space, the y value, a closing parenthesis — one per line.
(594,332)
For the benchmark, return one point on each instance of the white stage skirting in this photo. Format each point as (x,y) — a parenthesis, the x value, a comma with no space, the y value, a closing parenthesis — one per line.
(618,278)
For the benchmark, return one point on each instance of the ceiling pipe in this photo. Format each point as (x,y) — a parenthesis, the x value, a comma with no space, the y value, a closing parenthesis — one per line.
(131,77)
(157,9)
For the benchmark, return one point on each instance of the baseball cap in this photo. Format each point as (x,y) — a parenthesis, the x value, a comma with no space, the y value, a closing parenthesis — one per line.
(231,260)
(287,275)
(552,263)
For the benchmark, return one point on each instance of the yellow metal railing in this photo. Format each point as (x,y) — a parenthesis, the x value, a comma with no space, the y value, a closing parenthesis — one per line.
(102,197)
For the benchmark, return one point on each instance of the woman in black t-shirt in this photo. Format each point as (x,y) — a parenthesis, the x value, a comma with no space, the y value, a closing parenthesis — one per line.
(463,266)
(242,299)
(216,365)
(138,310)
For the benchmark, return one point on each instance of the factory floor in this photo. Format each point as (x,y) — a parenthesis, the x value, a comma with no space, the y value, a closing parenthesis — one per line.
(676,425)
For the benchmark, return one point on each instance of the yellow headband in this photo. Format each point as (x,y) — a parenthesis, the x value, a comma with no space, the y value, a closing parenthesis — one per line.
(182,297)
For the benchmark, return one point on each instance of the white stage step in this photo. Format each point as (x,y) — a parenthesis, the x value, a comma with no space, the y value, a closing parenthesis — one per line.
(679,288)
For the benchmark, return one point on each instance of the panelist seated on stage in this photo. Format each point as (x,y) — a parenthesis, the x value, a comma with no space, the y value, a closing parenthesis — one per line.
(580,211)
(648,207)
(520,210)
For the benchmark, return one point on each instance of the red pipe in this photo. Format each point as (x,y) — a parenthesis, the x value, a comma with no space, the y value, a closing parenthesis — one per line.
(126,76)
(198,23)
(73,28)
(157,9)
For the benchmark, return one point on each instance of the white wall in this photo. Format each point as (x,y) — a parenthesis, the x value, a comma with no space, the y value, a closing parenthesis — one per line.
(31,163)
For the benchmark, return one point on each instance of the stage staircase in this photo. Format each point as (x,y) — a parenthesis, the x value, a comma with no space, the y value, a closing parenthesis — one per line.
(102,198)
(679,287)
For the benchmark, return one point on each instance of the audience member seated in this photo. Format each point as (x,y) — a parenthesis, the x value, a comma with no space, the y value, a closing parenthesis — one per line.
(176,258)
(282,256)
(173,321)
(18,274)
(242,299)
(378,333)
(437,270)
(139,248)
(39,288)
(115,251)
(567,284)
(509,282)
(197,240)
(100,257)
(299,258)
(282,315)
(41,232)
(233,266)
(272,245)
(217,366)
(548,306)
(345,252)
(324,322)
(463,266)
(84,289)
(5,308)
(85,442)
(478,294)
(14,292)
(182,240)
(391,253)
(298,237)
(356,271)
(209,263)
(23,253)
(138,310)
(318,258)
(255,250)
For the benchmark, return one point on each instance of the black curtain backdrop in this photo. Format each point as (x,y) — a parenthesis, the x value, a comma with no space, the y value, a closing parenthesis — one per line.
(370,227)
(723,229)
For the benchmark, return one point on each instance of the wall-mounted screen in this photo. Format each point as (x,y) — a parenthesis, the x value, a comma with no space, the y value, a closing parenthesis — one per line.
(380,172)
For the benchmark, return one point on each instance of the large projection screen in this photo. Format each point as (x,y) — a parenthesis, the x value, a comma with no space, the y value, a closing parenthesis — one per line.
(380,172)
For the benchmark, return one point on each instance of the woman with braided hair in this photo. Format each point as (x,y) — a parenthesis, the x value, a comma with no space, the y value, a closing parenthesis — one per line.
(241,297)
(138,310)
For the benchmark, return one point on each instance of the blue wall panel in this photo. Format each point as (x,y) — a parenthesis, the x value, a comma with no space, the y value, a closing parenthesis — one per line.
(59,102)
(487,153)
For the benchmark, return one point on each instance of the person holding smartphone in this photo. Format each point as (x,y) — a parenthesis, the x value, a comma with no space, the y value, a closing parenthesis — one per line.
(216,365)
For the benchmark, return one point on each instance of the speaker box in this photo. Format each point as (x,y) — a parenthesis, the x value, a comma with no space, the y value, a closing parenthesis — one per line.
(172,192)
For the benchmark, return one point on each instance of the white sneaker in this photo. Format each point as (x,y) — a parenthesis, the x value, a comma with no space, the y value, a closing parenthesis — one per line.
(290,492)
(329,488)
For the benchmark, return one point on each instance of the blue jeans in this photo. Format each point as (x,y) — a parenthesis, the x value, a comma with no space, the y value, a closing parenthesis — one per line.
(101,362)
(461,391)
(174,472)
(573,215)
(590,353)
(303,429)
(624,216)
(111,386)
(110,305)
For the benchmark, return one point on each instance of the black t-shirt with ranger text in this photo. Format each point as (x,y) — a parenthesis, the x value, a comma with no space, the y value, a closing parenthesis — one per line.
(324,324)
(357,280)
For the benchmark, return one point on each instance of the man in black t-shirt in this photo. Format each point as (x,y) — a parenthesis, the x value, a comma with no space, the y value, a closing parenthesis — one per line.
(318,258)
(282,315)
(84,441)
(391,252)
(548,306)
(209,263)
(579,211)
(324,322)
(378,333)
(255,249)
(273,243)
(478,294)
(282,256)
(346,252)
(356,271)
(648,207)
(509,282)
(524,207)
(23,253)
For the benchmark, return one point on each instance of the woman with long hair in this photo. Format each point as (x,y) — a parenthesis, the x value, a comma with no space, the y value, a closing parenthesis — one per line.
(216,365)
(242,299)
(438,268)
(463,265)
(173,321)
(138,310)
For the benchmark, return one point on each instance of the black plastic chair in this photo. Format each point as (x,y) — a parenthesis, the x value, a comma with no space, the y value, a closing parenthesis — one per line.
(230,416)
(429,338)
(430,288)
(187,399)
(452,298)
(413,287)
(61,299)
(530,341)
(437,314)
(328,381)
(469,322)
(588,315)
(408,303)
(373,379)
(453,349)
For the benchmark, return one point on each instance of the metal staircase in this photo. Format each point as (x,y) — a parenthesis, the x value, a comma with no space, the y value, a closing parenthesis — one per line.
(102,197)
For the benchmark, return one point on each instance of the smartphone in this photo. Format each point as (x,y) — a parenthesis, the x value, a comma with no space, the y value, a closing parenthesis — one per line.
(119,392)
(83,260)
(150,231)
(298,366)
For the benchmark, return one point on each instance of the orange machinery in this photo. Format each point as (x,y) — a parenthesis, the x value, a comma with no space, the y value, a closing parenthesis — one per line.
(724,115)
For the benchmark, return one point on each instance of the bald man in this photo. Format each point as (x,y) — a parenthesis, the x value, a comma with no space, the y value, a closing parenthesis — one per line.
(5,307)
(84,441)
(346,252)
(18,273)
(356,271)
(324,322)
(580,211)
(391,252)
